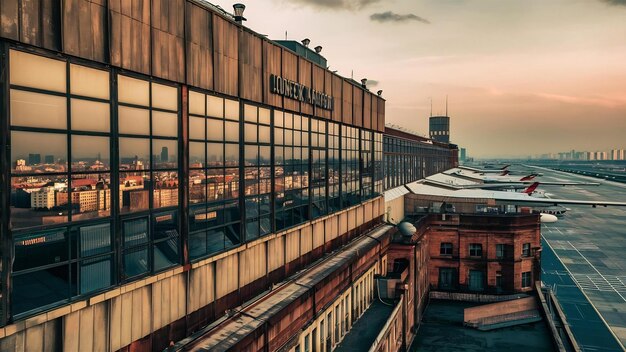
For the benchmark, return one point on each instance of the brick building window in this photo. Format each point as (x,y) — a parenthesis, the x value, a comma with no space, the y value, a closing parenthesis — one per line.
(476,280)
(526,279)
(476,250)
(445,248)
(526,250)
(500,251)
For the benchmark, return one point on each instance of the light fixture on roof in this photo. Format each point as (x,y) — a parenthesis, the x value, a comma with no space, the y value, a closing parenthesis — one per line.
(239,8)
(306,42)
(364,83)
(318,49)
(380,92)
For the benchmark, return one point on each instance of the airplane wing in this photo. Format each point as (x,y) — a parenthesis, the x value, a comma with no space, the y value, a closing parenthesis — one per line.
(500,197)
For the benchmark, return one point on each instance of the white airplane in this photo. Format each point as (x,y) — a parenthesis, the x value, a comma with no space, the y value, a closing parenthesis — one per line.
(548,206)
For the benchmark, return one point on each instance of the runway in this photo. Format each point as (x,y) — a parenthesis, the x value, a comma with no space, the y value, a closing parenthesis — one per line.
(584,259)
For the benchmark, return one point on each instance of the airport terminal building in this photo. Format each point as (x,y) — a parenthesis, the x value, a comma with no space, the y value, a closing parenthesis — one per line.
(162,165)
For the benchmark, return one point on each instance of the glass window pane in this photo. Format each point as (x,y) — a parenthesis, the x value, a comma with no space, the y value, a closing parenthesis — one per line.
(136,262)
(37,71)
(90,196)
(215,154)
(40,248)
(40,288)
(197,244)
(232,154)
(264,134)
(232,131)
(135,232)
(265,155)
(231,109)
(164,124)
(250,113)
(231,184)
(250,132)
(133,120)
(215,106)
(34,205)
(133,91)
(164,97)
(49,154)
(134,153)
(214,130)
(251,154)
(30,109)
(95,274)
(197,187)
(89,82)
(134,193)
(196,127)
(95,239)
(196,103)
(165,193)
(90,153)
(279,118)
(196,155)
(165,225)
(90,116)
(264,116)
(165,153)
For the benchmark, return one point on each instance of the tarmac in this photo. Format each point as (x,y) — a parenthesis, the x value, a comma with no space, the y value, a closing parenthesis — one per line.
(584,260)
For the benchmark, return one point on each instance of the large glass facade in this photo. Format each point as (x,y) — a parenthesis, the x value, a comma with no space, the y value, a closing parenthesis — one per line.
(148,115)
(291,159)
(407,160)
(95,164)
(60,178)
(214,216)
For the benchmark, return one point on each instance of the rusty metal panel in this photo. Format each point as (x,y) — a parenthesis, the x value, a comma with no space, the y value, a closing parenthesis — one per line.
(318,85)
(250,59)
(130,34)
(225,56)
(381,115)
(367,110)
(272,61)
(85,29)
(337,90)
(51,24)
(375,113)
(30,28)
(328,90)
(357,106)
(199,58)
(346,110)
(9,13)
(304,78)
(167,27)
(290,72)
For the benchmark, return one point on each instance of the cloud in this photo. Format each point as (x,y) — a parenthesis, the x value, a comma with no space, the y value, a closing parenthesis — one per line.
(351,5)
(389,16)
(615,2)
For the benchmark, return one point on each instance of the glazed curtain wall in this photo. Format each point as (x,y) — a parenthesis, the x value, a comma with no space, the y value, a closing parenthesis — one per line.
(408,161)
(95,163)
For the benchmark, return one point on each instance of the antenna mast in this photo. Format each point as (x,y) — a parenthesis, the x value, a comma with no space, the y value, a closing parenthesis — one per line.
(431,106)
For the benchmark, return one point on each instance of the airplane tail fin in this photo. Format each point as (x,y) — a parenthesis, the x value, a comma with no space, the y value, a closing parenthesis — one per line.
(531,188)
(505,167)
(529,177)
(504,173)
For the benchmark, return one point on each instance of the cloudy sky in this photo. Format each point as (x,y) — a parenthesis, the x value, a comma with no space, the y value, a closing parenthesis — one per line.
(523,77)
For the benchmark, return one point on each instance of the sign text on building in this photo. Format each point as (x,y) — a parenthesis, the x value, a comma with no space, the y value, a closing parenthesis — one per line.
(297,91)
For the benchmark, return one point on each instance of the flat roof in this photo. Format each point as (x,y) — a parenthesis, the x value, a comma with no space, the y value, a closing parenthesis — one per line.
(442,330)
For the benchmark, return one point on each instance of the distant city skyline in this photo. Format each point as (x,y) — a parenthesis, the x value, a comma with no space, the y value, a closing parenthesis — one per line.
(522,77)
